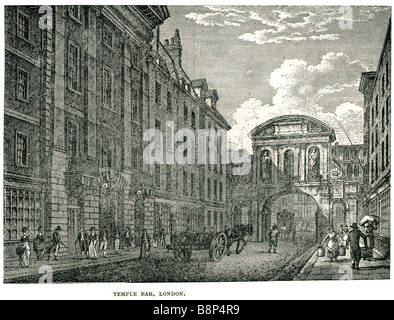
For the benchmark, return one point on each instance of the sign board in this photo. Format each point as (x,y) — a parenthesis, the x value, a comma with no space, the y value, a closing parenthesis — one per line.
(338,189)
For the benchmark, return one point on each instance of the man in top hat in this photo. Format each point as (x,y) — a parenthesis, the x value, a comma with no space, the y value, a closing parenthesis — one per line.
(103,238)
(39,245)
(56,241)
(354,240)
(82,240)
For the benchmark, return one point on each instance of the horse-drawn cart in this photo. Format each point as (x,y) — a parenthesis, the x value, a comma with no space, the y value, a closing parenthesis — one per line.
(218,244)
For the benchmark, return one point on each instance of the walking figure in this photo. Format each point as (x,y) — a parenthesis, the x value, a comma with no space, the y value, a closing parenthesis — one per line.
(354,239)
(117,240)
(82,241)
(163,238)
(145,245)
(23,249)
(127,238)
(273,239)
(39,245)
(56,241)
(92,244)
(334,240)
(103,237)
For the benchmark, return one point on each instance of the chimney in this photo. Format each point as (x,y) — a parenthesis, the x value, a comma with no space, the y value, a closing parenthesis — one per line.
(175,47)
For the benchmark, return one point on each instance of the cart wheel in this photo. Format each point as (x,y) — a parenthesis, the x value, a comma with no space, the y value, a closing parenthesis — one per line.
(218,247)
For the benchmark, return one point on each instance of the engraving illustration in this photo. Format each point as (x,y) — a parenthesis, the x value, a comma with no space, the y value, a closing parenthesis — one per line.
(154,143)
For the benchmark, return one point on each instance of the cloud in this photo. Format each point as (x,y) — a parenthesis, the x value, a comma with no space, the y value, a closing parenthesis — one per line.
(284,23)
(325,37)
(303,89)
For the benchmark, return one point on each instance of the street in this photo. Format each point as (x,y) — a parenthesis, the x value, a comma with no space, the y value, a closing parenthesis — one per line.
(253,264)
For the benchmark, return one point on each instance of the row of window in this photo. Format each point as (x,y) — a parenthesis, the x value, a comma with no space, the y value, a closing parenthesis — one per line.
(381,206)
(384,121)
(22,208)
(384,160)
(170,106)
(345,154)
(215,221)
(215,193)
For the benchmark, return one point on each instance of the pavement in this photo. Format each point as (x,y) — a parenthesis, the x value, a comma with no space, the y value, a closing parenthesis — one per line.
(12,271)
(321,268)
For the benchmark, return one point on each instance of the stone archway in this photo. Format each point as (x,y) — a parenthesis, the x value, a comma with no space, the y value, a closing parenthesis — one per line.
(267,216)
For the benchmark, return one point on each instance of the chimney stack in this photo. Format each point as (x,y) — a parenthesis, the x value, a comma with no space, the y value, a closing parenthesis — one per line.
(175,47)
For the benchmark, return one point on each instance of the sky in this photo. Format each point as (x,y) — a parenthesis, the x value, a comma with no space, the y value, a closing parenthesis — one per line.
(267,61)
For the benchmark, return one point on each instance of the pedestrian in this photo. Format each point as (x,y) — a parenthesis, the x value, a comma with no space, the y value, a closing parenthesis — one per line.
(92,244)
(103,237)
(345,237)
(39,244)
(370,243)
(273,239)
(354,240)
(145,245)
(117,240)
(82,240)
(127,238)
(56,241)
(23,249)
(156,237)
(163,241)
(333,243)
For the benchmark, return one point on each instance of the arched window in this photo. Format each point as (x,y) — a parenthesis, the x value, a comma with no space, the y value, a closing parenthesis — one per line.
(314,163)
(349,170)
(289,163)
(266,166)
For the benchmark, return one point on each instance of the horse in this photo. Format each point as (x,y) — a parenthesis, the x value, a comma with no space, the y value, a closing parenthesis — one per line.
(238,234)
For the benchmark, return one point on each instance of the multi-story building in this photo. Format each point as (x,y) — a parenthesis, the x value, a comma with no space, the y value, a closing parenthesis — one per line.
(189,195)
(76,88)
(213,184)
(376,88)
(83,85)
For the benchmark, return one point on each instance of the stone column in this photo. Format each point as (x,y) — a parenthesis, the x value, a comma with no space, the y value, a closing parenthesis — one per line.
(91,83)
(258,165)
(127,105)
(59,80)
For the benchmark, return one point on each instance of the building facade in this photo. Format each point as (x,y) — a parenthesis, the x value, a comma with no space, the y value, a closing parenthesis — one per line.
(74,106)
(83,85)
(376,88)
(297,168)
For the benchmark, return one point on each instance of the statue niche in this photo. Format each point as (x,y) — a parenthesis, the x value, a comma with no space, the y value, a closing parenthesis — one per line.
(288,164)
(314,163)
(266,167)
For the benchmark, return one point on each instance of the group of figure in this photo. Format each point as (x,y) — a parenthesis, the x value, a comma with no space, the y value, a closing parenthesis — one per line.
(89,245)
(94,244)
(360,243)
(24,251)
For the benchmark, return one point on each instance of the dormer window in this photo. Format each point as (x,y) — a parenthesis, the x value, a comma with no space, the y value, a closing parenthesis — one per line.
(208,101)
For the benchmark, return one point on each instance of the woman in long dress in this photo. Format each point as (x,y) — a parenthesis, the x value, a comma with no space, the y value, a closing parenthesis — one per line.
(92,244)
(333,244)
(24,249)
(127,238)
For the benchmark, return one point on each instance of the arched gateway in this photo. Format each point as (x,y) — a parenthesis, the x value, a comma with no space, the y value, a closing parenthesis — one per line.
(291,172)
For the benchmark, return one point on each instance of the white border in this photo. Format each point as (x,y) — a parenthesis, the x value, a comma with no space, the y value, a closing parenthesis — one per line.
(195,291)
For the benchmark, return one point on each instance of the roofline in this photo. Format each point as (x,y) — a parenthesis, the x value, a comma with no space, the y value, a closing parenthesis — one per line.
(291,117)
(388,32)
